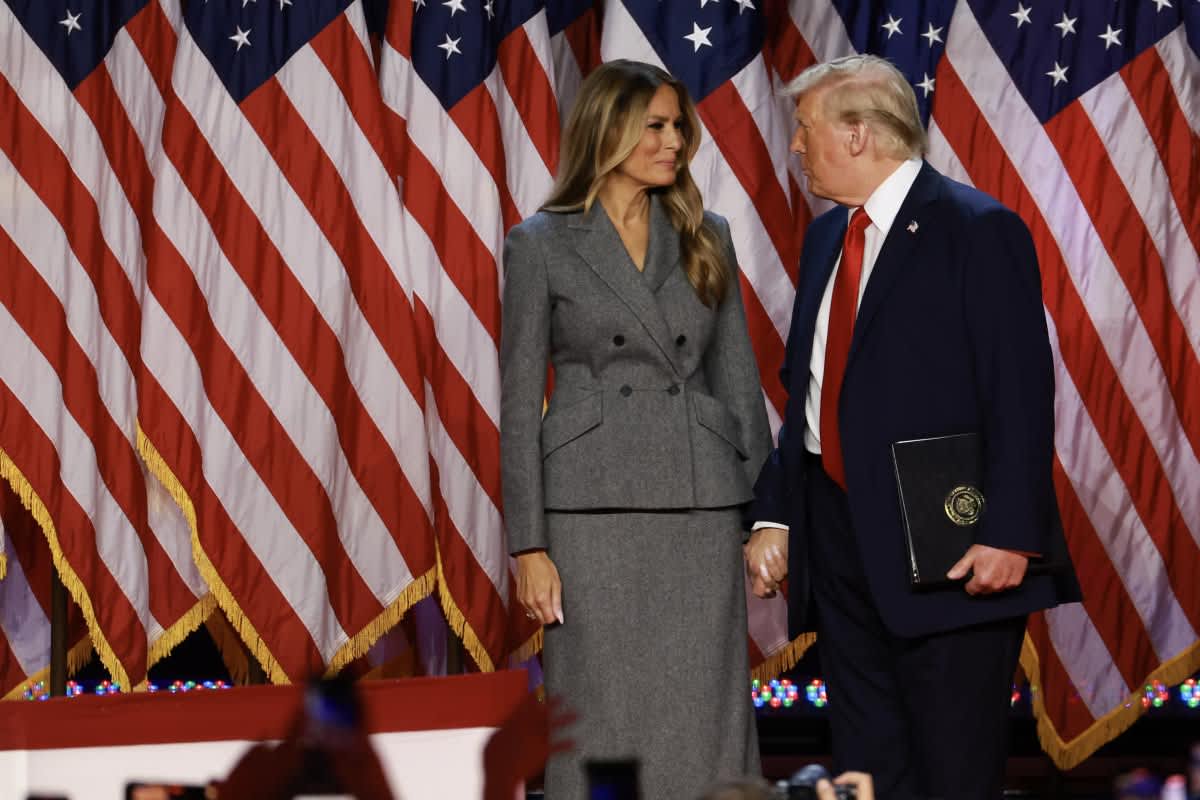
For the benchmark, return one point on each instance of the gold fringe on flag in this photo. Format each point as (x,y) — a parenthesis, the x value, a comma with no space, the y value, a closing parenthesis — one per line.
(77,658)
(783,659)
(458,621)
(1067,755)
(183,628)
(357,645)
(360,643)
(3,565)
(224,598)
(31,501)
(532,646)
(230,646)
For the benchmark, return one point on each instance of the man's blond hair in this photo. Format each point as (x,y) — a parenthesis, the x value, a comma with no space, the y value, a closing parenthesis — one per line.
(869,89)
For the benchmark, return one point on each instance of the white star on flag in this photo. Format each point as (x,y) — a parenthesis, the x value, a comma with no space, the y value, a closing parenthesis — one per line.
(242,37)
(743,5)
(892,26)
(283,3)
(71,22)
(699,37)
(487,7)
(244,2)
(1021,15)
(1111,36)
(703,3)
(927,84)
(933,35)
(1158,4)
(1058,73)
(1067,25)
(450,45)
(455,6)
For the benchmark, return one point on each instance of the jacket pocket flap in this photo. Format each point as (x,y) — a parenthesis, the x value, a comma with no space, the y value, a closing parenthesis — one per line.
(563,425)
(712,414)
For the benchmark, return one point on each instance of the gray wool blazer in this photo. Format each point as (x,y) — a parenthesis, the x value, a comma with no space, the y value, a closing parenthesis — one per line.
(657,402)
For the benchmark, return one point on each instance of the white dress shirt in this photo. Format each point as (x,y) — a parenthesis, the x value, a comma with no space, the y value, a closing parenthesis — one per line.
(882,206)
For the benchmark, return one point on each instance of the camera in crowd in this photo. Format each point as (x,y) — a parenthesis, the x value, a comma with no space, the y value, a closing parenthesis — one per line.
(803,785)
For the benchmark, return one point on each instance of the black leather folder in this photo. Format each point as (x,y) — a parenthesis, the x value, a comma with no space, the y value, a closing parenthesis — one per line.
(940,483)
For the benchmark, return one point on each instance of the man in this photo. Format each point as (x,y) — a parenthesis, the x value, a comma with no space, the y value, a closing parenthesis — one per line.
(918,314)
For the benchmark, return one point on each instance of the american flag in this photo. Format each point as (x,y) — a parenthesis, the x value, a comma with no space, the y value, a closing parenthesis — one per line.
(71,210)
(474,92)
(1083,117)
(208,189)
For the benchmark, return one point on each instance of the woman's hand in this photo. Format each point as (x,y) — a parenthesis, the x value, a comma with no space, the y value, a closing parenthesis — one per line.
(539,588)
(766,560)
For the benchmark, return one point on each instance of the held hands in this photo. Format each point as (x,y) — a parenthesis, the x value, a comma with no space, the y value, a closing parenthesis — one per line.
(864,787)
(766,560)
(994,570)
(539,588)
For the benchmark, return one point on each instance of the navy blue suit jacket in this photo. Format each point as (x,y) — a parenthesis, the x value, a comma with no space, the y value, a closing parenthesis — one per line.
(950,337)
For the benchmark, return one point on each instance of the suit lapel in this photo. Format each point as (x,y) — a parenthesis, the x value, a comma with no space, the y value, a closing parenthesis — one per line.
(896,254)
(815,270)
(662,255)
(600,246)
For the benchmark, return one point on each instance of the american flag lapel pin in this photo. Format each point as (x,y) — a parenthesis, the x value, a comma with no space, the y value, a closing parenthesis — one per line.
(912,226)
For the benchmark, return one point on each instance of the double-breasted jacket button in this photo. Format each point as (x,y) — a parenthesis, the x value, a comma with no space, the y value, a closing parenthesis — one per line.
(619,340)
(626,391)
(680,340)
(673,389)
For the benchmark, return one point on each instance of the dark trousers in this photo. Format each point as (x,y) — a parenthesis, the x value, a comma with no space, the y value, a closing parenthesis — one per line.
(926,716)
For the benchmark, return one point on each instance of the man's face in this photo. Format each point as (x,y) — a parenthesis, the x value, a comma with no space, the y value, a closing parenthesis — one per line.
(821,145)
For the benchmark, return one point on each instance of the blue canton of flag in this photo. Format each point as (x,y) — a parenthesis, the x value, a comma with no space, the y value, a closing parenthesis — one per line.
(911,34)
(1054,50)
(704,43)
(75,36)
(454,43)
(248,41)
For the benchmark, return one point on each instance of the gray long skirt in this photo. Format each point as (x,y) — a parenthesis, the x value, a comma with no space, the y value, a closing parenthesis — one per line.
(652,653)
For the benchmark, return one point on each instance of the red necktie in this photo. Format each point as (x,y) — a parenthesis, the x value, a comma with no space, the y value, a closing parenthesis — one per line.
(842,310)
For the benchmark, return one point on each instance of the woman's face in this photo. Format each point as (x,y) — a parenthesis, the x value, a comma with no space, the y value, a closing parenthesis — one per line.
(655,160)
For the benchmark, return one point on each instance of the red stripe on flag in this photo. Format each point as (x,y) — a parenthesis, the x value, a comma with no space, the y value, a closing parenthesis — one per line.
(265,442)
(468,584)
(1128,242)
(379,296)
(351,68)
(157,41)
(272,616)
(117,630)
(1082,351)
(477,119)
(464,258)
(1105,597)
(1071,716)
(768,347)
(39,312)
(738,138)
(470,428)
(785,48)
(1177,144)
(583,34)
(529,87)
(48,172)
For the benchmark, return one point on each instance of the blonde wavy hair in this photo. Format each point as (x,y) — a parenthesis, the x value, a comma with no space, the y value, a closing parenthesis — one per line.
(604,127)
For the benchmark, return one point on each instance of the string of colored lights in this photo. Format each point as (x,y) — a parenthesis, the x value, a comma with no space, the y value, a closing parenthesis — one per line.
(779,693)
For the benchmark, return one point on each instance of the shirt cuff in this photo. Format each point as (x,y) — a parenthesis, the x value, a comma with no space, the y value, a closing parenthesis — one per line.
(760,525)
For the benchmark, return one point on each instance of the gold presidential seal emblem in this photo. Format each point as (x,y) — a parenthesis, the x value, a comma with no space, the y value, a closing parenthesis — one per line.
(964,504)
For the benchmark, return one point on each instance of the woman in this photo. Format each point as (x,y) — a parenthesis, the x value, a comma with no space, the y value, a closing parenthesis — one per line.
(621,503)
